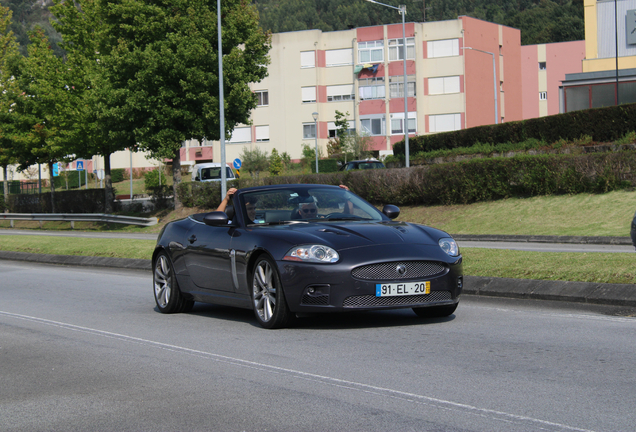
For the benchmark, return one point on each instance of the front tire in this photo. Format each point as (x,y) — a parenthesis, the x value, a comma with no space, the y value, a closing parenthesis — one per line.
(435,311)
(268,299)
(167,294)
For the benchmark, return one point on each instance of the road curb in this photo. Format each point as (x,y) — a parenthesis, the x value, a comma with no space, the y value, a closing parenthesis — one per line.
(71,260)
(604,240)
(578,292)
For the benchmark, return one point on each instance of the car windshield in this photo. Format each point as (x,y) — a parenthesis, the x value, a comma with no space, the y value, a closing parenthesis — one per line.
(302,204)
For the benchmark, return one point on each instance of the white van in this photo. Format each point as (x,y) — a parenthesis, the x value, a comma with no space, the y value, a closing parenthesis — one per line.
(207,172)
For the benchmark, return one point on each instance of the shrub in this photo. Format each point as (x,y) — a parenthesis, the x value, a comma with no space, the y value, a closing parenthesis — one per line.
(275,163)
(154,179)
(117,175)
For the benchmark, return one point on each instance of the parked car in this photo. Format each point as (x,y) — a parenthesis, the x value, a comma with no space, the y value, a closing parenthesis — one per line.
(362,164)
(207,172)
(283,250)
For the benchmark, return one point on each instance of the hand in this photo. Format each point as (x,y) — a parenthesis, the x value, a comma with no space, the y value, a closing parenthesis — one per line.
(344,187)
(229,194)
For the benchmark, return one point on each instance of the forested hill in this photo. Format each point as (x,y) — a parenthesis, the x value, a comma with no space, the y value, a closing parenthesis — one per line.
(540,21)
(26,15)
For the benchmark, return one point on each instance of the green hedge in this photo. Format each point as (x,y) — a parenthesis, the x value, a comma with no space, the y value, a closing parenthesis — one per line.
(72,201)
(479,179)
(325,166)
(602,124)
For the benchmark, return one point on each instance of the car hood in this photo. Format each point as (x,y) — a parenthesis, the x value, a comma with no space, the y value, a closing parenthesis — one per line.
(348,235)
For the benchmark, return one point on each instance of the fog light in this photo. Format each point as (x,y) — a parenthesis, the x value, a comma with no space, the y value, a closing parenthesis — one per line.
(311,290)
(460,282)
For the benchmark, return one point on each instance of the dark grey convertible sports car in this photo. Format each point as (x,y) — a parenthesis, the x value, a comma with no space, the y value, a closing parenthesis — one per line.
(291,249)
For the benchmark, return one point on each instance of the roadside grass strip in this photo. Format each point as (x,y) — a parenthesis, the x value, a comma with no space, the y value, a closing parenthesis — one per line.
(111,248)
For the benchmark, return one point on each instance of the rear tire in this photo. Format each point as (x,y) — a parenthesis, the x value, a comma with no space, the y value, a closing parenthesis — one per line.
(435,311)
(268,299)
(167,294)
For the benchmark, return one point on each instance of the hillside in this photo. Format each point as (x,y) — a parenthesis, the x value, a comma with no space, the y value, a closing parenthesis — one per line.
(30,13)
(540,21)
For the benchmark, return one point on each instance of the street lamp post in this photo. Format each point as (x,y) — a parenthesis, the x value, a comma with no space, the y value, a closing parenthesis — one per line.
(315,116)
(494,78)
(402,10)
(221,102)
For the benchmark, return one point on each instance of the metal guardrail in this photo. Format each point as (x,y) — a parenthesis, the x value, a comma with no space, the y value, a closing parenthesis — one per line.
(78,217)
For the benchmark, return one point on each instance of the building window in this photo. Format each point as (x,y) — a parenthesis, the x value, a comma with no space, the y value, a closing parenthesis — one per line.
(339,57)
(396,86)
(241,135)
(340,93)
(541,65)
(397,123)
(309,94)
(442,48)
(444,122)
(331,126)
(396,49)
(309,130)
(371,52)
(262,97)
(443,85)
(543,95)
(371,88)
(307,59)
(262,133)
(372,125)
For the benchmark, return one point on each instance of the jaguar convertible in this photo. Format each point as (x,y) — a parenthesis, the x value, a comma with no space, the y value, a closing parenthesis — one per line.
(289,250)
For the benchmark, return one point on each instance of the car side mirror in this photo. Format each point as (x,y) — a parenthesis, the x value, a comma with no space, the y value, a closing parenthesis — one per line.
(216,218)
(391,211)
(196,178)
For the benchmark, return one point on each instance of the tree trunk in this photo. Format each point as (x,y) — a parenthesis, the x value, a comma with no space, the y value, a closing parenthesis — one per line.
(6,189)
(176,178)
(52,187)
(108,186)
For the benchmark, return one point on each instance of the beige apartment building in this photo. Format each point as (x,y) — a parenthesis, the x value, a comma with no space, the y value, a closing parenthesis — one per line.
(456,70)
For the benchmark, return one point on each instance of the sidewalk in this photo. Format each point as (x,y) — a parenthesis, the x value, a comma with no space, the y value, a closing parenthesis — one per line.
(580,292)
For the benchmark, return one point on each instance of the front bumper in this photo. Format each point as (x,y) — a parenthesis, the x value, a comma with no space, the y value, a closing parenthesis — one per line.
(333,288)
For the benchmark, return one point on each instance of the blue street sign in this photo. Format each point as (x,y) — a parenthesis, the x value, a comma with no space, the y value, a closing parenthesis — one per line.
(237,163)
(80,165)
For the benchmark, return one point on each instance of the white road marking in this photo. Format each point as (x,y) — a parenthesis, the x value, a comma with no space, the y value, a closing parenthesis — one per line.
(538,424)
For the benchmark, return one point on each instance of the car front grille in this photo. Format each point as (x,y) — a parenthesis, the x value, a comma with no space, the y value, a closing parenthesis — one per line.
(398,270)
(369,300)
(315,300)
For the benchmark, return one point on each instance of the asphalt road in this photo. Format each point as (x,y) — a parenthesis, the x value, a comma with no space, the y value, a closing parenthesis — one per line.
(84,349)
(516,245)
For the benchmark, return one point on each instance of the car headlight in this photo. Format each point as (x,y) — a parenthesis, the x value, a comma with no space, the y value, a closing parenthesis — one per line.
(449,246)
(312,253)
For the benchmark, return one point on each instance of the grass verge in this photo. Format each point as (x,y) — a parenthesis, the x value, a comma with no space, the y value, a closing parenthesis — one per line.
(112,248)
(581,267)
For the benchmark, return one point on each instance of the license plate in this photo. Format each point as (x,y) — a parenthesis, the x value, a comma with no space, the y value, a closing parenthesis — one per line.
(402,289)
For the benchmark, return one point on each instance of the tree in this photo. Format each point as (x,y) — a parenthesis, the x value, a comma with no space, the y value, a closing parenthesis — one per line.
(163,69)
(275,163)
(9,91)
(254,161)
(41,108)
(87,42)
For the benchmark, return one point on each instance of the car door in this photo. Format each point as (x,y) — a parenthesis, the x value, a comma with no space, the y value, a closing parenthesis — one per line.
(208,257)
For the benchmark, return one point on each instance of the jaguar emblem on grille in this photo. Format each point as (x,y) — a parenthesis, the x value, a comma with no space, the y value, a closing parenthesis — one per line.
(401,269)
